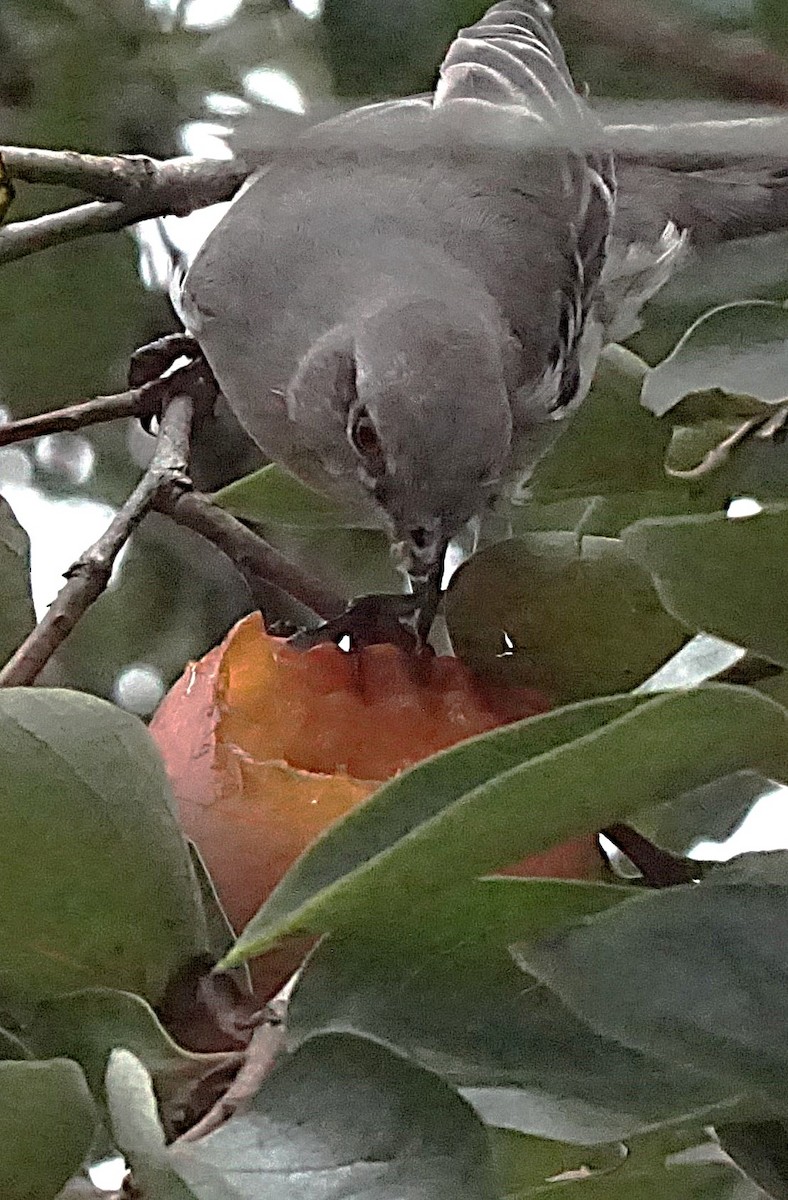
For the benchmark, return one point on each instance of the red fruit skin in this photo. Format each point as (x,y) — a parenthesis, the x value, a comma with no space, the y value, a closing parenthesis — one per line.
(265,746)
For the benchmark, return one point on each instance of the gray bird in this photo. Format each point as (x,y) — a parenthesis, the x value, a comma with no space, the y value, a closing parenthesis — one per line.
(403,304)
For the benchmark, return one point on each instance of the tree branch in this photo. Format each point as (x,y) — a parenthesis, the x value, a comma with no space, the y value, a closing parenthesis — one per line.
(144,401)
(90,574)
(259,563)
(736,67)
(182,183)
(133,188)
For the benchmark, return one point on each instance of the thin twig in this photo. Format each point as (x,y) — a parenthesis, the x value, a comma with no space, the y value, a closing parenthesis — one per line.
(90,574)
(257,561)
(266,1045)
(21,238)
(138,402)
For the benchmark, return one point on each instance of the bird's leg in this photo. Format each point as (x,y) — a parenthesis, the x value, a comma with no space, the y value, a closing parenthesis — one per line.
(427,596)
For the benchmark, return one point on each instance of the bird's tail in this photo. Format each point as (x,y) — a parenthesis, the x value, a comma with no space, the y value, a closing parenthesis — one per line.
(512,56)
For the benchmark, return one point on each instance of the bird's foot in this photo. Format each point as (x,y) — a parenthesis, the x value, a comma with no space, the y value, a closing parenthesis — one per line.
(371,620)
(154,363)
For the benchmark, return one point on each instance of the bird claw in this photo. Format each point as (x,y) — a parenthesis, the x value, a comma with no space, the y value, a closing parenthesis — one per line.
(369,621)
(151,364)
(151,361)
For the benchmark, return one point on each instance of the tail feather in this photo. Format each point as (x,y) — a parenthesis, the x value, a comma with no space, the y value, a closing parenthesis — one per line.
(721,206)
(512,56)
(712,206)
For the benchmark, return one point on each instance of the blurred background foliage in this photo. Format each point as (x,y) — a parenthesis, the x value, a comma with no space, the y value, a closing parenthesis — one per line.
(175,75)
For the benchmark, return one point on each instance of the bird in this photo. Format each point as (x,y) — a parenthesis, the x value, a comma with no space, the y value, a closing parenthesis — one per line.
(405,304)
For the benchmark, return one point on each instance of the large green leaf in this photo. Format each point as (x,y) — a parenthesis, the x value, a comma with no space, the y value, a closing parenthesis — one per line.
(740,349)
(138,1133)
(87,1026)
(344,1117)
(516,791)
(581,618)
(761,1150)
(612,444)
(96,885)
(47,1121)
(272,495)
(726,577)
(451,998)
(649,1168)
(17,616)
(694,974)
(712,812)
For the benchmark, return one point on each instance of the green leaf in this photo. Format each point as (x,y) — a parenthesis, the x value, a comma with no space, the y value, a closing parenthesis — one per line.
(353,561)
(710,813)
(11,1047)
(691,445)
(47,1120)
(525,1164)
(722,576)
(451,998)
(530,1169)
(516,791)
(761,1150)
(739,349)
(345,1117)
(87,1026)
(137,1132)
(612,443)
(96,885)
(17,615)
(572,616)
(694,974)
(700,659)
(272,495)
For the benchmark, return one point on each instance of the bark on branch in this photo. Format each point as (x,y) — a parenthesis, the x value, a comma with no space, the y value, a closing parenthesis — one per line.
(182,183)
(137,402)
(131,189)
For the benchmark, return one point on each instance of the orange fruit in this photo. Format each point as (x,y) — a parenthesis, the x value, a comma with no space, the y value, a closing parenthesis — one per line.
(266,746)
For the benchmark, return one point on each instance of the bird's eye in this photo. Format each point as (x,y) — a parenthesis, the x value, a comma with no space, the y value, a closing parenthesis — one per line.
(365,441)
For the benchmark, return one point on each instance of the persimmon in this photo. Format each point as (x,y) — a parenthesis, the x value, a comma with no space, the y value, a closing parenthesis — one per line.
(267,745)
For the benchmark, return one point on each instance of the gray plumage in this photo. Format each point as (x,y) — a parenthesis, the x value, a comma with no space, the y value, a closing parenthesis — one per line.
(400,306)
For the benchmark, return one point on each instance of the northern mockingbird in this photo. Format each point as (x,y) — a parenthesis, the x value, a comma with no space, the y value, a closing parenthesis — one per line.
(404,303)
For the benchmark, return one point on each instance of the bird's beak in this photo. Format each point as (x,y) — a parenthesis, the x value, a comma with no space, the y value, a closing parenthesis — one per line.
(422,557)
(420,552)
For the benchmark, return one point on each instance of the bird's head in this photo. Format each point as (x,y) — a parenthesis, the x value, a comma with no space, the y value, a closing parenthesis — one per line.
(415,408)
